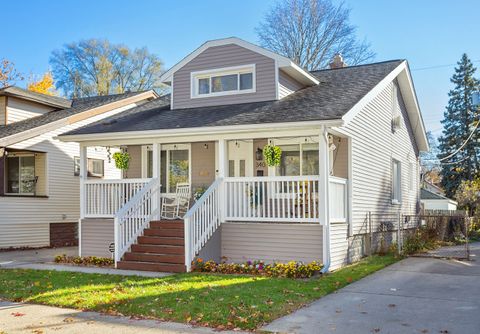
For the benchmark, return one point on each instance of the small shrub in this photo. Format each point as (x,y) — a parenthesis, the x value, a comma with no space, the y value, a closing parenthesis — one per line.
(291,269)
(84,260)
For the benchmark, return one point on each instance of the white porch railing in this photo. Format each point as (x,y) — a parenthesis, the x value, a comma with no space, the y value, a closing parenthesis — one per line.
(274,199)
(103,198)
(338,199)
(202,220)
(282,199)
(134,216)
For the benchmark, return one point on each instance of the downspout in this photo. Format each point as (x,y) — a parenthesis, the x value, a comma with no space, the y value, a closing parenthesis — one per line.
(326,225)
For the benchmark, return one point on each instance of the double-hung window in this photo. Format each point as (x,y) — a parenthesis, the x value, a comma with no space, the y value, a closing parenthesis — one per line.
(298,159)
(396,182)
(225,81)
(21,174)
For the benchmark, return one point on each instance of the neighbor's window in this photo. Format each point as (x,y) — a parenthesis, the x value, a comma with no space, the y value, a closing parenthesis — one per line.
(20,174)
(95,167)
(396,182)
(225,81)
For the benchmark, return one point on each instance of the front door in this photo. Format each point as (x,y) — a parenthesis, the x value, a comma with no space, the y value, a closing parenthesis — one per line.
(240,158)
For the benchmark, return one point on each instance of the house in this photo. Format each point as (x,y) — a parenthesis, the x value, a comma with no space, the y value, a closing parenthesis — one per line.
(435,201)
(350,138)
(39,187)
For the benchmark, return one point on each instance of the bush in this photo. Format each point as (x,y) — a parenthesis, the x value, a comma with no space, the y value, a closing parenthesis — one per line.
(84,261)
(291,269)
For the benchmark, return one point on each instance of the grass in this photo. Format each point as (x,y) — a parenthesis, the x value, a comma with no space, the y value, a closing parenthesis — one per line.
(221,301)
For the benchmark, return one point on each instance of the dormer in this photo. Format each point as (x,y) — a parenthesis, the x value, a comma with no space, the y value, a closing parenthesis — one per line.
(17,104)
(233,71)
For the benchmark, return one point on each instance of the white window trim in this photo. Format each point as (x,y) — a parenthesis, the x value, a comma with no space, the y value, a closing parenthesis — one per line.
(195,76)
(167,147)
(397,201)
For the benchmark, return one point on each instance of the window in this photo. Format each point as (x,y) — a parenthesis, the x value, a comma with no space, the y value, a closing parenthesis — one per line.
(20,174)
(300,159)
(176,157)
(95,167)
(396,182)
(226,81)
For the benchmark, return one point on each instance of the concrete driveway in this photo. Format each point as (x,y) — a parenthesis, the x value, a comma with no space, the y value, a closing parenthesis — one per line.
(416,295)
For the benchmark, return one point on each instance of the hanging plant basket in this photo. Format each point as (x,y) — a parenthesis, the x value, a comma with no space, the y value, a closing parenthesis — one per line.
(272,155)
(122,160)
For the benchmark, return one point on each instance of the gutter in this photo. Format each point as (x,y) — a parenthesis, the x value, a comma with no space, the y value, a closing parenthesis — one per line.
(326,226)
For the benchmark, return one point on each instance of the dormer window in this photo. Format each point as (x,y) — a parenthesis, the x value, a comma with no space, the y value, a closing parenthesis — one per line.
(223,81)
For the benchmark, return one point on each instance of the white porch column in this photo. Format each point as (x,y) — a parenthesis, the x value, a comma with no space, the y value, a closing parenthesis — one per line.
(323,193)
(156,163)
(222,173)
(83,177)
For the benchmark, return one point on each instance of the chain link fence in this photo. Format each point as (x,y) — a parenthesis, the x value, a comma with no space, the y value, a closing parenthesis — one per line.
(443,234)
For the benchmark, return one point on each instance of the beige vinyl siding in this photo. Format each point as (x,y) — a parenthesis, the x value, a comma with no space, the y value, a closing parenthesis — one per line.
(18,109)
(135,165)
(220,57)
(63,202)
(41,173)
(3,110)
(25,234)
(374,145)
(271,242)
(287,85)
(340,158)
(203,164)
(96,236)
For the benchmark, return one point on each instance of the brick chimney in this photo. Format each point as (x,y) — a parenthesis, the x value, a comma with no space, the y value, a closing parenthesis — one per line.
(337,61)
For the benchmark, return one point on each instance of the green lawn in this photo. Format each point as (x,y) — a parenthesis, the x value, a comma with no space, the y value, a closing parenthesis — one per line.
(223,301)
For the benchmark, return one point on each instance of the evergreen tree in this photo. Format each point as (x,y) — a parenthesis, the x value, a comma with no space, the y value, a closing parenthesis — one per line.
(460,118)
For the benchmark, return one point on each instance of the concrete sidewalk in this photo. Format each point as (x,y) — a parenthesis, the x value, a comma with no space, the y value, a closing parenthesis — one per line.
(416,295)
(39,319)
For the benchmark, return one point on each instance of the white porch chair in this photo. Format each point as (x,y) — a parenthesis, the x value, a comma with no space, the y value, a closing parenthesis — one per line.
(176,206)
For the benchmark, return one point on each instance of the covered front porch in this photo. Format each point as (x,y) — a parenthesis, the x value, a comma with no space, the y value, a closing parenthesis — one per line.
(230,183)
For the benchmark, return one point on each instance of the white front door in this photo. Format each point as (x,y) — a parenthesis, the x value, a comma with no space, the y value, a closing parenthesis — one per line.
(240,158)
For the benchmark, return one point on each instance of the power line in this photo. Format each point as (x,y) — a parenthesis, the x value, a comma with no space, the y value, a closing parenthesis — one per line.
(438,66)
(463,145)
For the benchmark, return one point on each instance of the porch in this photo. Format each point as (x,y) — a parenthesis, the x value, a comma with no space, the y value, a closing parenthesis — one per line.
(233,185)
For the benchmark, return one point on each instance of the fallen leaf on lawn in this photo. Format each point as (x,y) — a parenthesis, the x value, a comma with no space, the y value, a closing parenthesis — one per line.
(316,288)
(349,279)
(68,320)
(17,314)
(36,283)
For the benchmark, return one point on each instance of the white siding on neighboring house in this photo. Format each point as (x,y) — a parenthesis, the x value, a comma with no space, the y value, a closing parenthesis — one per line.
(3,109)
(19,214)
(287,85)
(18,110)
(374,145)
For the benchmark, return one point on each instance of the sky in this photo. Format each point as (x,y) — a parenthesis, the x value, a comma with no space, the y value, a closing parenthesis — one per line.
(431,35)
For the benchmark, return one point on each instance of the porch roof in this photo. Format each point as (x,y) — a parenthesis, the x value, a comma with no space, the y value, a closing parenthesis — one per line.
(338,91)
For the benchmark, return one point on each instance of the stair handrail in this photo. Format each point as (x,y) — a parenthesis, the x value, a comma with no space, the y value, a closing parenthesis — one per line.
(202,220)
(133,217)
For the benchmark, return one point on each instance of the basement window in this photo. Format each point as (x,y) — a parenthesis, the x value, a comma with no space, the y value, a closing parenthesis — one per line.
(224,81)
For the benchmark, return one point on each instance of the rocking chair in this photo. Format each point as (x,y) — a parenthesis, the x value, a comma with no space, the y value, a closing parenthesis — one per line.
(176,206)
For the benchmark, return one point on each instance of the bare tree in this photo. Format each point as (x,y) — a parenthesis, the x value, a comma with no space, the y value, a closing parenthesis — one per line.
(311,32)
(97,67)
(8,73)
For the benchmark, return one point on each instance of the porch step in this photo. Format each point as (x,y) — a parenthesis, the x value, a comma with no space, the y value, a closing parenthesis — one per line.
(158,249)
(149,240)
(171,224)
(163,232)
(150,266)
(155,258)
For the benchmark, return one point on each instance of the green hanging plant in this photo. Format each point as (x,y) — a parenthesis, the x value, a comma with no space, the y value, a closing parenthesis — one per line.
(272,155)
(122,160)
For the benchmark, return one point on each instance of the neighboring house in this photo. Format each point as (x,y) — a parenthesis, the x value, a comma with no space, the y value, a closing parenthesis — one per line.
(435,201)
(350,137)
(39,186)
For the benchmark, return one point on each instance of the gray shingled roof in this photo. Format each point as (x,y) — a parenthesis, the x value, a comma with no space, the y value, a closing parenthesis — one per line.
(339,90)
(426,194)
(54,101)
(78,106)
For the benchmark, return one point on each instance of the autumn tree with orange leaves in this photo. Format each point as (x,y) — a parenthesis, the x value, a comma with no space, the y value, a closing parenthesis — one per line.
(44,86)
